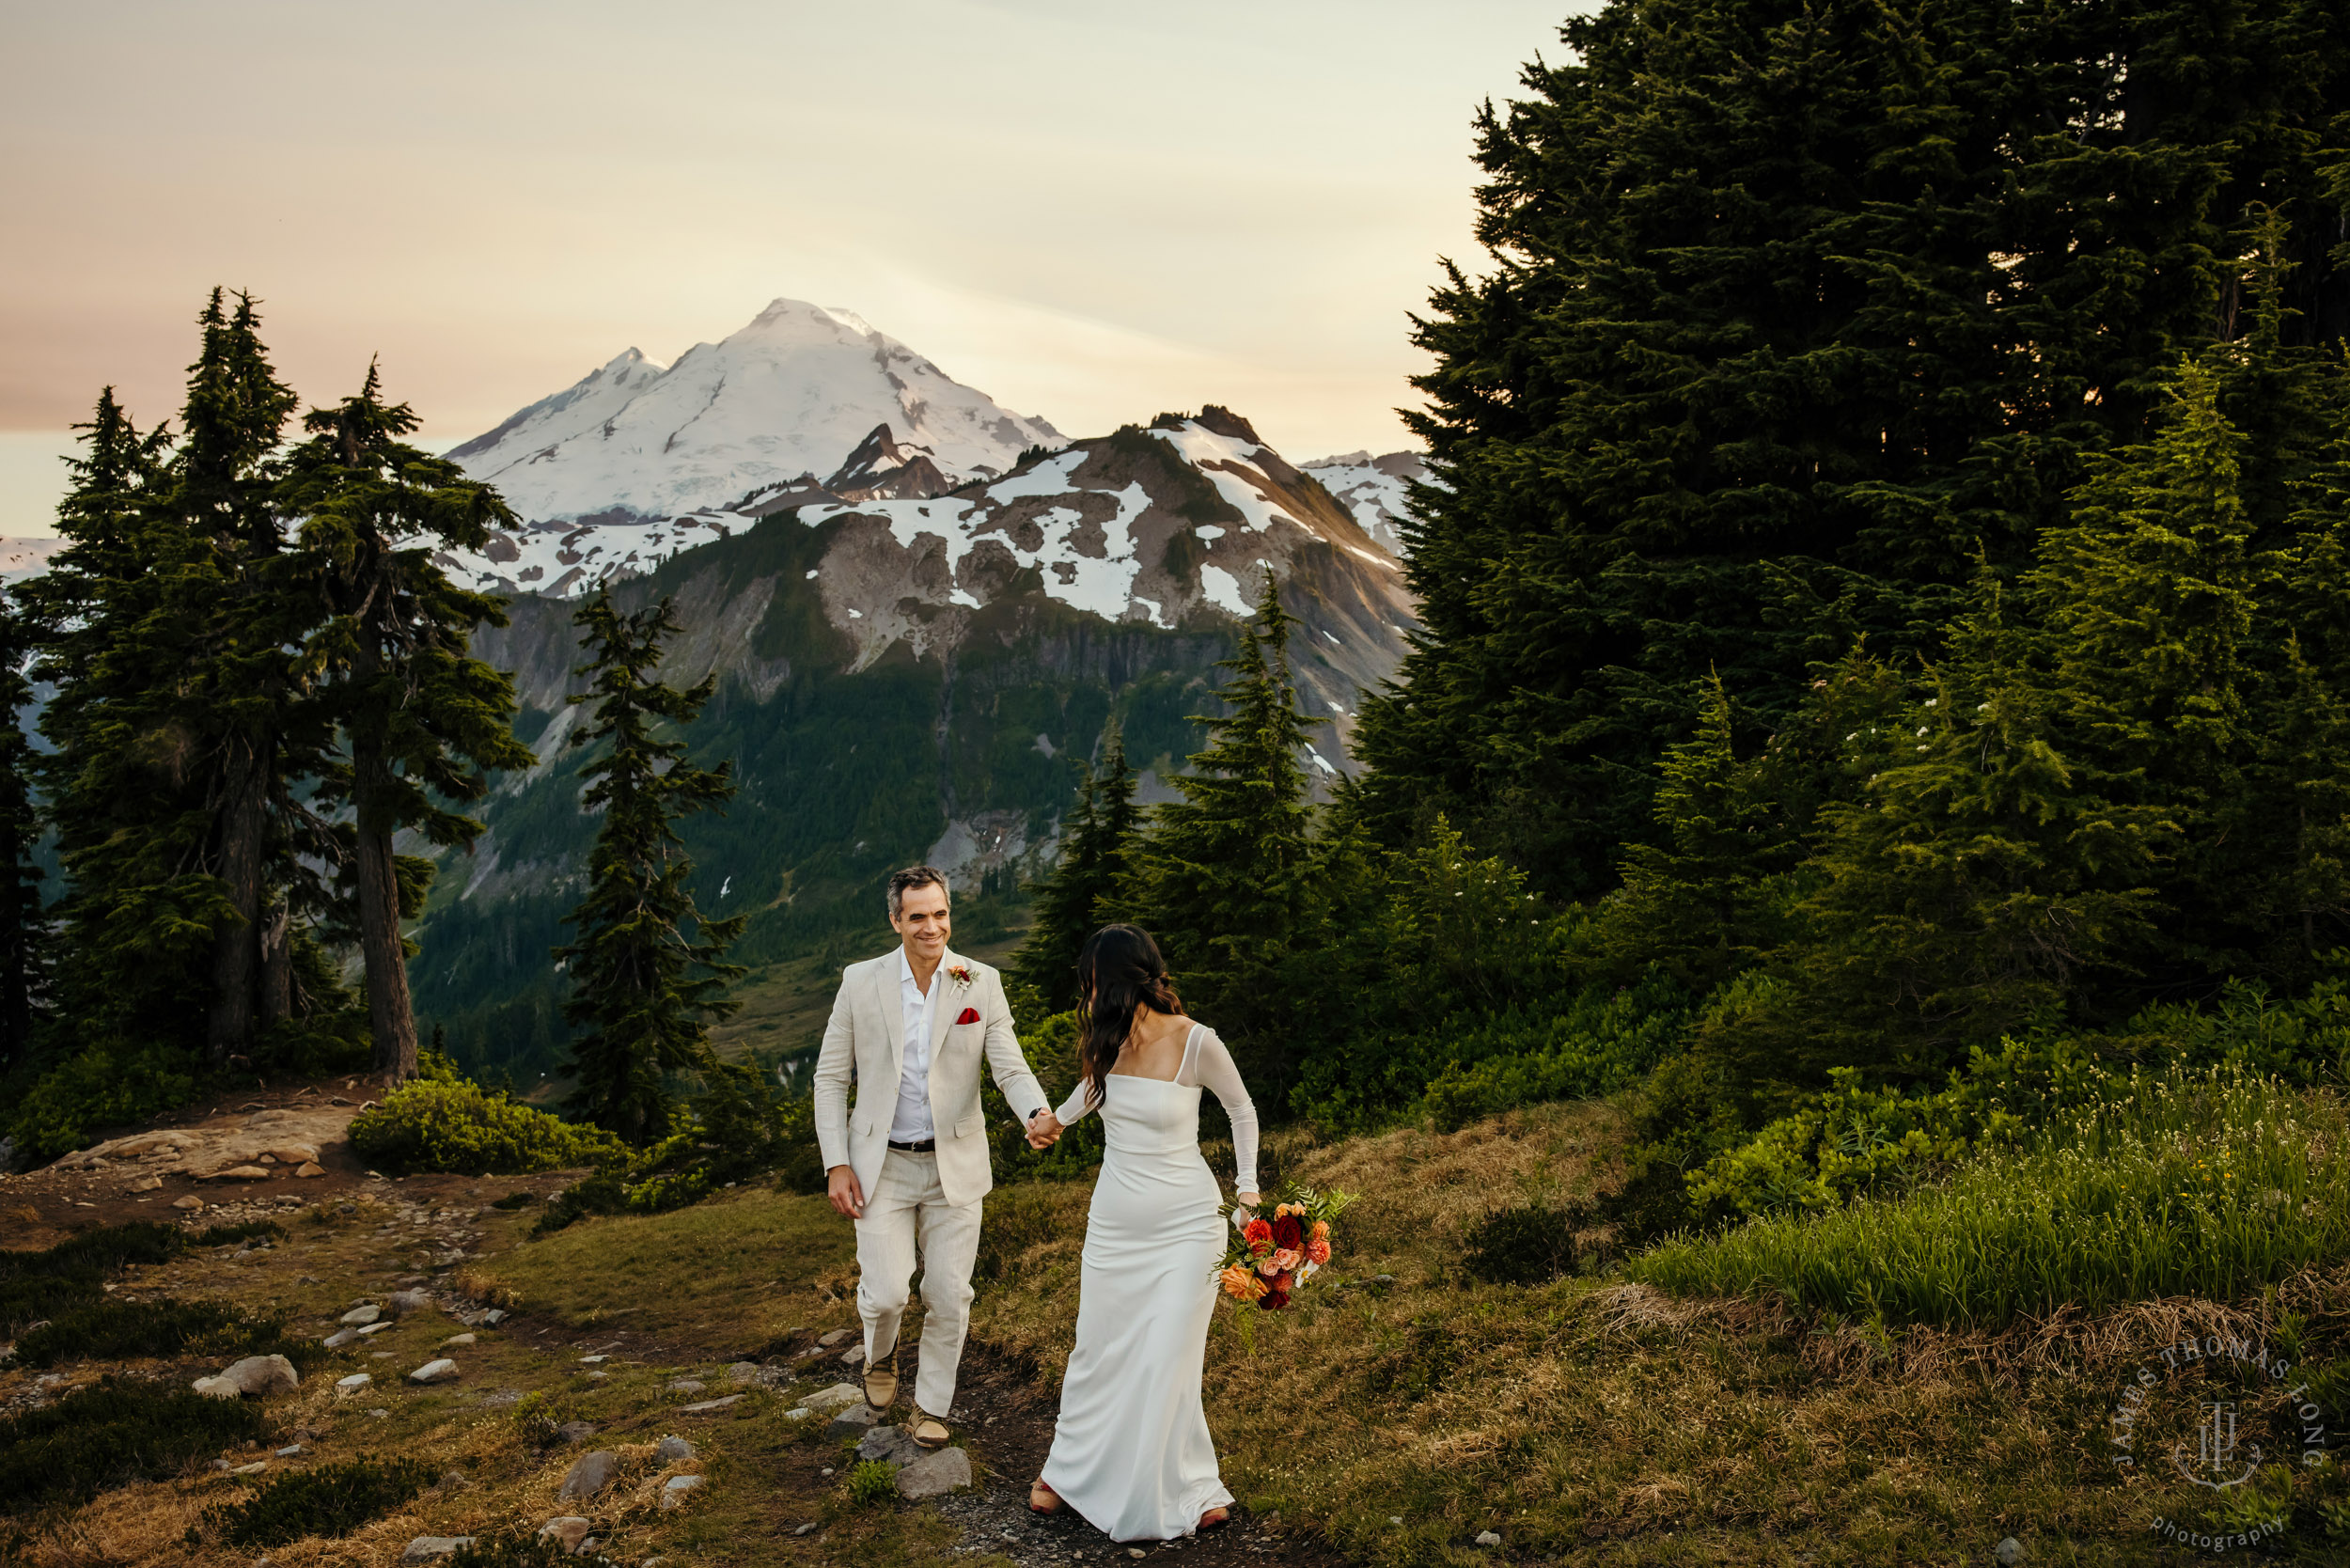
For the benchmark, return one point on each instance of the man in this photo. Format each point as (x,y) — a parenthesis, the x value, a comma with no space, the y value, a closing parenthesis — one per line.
(910,1162)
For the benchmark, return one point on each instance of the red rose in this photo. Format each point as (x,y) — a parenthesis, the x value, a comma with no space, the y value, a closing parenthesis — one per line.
(1273,1300)
(970,1015)
(1288,1232)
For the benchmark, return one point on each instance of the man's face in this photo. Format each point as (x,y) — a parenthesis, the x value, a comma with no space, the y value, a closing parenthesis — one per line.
(922,922)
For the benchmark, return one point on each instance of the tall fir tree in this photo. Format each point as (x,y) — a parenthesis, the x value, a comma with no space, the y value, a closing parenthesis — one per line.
(422,722)
(1792,307)
(1226,877)
(644,985)
(1098,841)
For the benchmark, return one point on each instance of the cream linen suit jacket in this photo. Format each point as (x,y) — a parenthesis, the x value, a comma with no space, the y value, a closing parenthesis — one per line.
(865,1042)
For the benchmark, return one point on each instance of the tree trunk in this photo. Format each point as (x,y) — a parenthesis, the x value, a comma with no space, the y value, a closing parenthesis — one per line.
(277,966)
(236,945)
(390,1016)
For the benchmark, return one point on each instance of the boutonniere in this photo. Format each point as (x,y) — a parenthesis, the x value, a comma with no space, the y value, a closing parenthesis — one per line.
(961,975)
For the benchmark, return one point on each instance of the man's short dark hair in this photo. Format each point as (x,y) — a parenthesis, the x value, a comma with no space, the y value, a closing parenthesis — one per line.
(902,883)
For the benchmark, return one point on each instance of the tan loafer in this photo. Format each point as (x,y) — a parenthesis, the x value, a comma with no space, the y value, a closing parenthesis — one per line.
(929,1432)
(1042,1498)
(880,1383)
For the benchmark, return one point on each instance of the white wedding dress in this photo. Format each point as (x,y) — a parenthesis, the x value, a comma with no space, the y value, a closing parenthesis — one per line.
(1131,1451)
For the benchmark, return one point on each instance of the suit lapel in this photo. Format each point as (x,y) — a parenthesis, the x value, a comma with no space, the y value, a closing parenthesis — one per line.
(945,1003)
(892,1017)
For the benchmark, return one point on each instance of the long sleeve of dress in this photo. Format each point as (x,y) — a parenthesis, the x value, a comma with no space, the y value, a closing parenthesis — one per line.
(1210,1066)
(1075,1107)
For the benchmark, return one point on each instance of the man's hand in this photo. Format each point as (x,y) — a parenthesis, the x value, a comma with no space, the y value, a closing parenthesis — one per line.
(1044,1130)
(846,1195)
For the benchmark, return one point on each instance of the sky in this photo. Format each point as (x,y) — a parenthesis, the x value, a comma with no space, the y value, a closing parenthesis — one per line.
(1092,210)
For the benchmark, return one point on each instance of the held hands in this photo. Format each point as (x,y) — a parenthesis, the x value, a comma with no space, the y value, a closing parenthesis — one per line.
(1044,1130)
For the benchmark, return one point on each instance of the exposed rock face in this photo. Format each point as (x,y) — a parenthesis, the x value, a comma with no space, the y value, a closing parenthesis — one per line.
(589,1474)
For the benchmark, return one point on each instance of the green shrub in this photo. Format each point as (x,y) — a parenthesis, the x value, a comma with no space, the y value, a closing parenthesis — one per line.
(538,1420)
(120,1331)
(99,1088)
(737,1130)
(2207,1184)
(459,1127)
(519,1551)
(1525,1243)
(111,1432)
(331,1500)
(39,1285)
(2305,1039)
(873,1482)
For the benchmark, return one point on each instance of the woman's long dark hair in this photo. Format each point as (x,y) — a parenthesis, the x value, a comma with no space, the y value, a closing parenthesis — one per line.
(1119,971)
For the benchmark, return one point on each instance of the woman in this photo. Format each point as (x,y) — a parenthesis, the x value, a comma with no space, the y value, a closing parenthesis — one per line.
(1131,1451)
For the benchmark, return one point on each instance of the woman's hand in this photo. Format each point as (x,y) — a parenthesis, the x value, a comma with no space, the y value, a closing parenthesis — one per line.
(1247,1202)
(1043,1130)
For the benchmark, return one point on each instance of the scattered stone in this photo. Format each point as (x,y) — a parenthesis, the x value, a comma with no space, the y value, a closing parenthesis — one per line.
(744,1371)
(310,1167)
(853,1357)
(673,1451)
(598,1376)
(798,1413)
(145,1184)
(839,1397)
(340,1338)
(289,1451)
(255,1375)
(1488,1539)
(1137,1552)
(439,1371)
(191,1203)
(570,1530)
(253,1469)
(366,1329)
(853,1423)
(711,1406)
(293,1154)
(241,1173)
(593,1360)
(346,1386)
(366,1313)
(805,1529)
(888,1444)
(491,1318)
(838,1336)
(404,1302)
(2011,1552)
(589,1474)
(380,1414)
(459,1340)
(675,1490)
(687,1385)
(424,1548)
(1396,1519)
(934,1474)
(575,1431)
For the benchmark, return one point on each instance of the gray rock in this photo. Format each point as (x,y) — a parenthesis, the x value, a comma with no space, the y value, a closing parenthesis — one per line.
(491,1318)
(424,1548)
(383,1327)
(441,1371)
(687,1385)
(255,1375)
(673,1451)
(888,1444)
(853,1423)
(935,1474)
(854,1357)
(589,1474)
(839,1397)
(1488,1539)
(678,1488)
(458,1339)
(745,1371)
(575,1431)
(253,1469)
(289,1451)
(838,1336)
(217,1388)
(340,1338)
(369,1313)
(404,1302)
(2011,1552)
(570,1530)
(713,1406)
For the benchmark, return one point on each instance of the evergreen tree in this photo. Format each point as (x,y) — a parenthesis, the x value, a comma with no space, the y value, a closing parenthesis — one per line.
(423,722)
(643,987)
(1098,841)
(1790,307)
(1225,878)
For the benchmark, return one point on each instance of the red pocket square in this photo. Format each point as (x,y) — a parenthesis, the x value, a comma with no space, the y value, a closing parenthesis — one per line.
(970,1015)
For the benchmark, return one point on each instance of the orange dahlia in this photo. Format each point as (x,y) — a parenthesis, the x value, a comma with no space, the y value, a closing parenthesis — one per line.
(1242,1284)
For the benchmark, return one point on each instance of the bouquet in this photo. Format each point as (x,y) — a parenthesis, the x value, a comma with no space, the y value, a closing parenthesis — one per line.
(1270,1259)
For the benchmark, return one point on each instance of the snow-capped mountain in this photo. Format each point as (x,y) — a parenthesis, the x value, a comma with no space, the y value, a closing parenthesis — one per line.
(1377,490)
(21,558)
(788,397)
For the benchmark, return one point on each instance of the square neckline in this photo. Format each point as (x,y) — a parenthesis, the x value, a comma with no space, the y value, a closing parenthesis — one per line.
(1189,1035)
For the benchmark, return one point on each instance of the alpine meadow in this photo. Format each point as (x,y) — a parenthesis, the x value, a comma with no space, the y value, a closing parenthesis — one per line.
(1781,889)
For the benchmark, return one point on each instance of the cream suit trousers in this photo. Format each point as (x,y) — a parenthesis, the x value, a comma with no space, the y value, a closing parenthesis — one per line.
(907,1205)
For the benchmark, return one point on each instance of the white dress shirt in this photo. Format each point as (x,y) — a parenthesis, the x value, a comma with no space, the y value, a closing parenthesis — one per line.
(912,1122)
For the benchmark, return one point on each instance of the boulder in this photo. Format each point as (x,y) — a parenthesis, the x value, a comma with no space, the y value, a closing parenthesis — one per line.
(217,1388)
(589,1474)
(853,1423)
(440,1370)
(839,1397)
(934,1474)
(259,1375)
(677,1489)
(340,1338)
(310,1167)
(575,1431)
(365,1312)
(352,1384)
(145,1184)
(570,1529)
(888,1444)
(293,1154)
(673,1451)
(426,1548)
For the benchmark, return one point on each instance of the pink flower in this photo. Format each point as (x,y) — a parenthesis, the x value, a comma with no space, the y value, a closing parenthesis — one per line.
(1286,1260)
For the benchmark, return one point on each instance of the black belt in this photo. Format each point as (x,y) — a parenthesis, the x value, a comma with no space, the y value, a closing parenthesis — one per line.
(925,1146)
